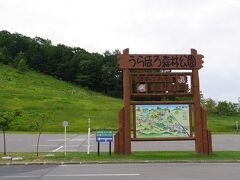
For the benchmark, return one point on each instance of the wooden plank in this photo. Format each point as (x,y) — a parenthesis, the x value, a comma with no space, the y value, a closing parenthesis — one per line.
(134,121)
(190,119)
(160,94)
(161,73)
(160,102)
(164,139)
(159,61)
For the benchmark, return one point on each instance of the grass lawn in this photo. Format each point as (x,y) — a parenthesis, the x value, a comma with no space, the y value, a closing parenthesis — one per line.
(155,155)
(34,93)
(223,123)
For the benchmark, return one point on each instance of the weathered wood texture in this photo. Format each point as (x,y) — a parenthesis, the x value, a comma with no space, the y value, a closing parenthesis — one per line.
(193,62)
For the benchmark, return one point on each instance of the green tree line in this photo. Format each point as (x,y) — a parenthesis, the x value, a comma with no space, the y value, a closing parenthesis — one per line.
(221,107)
(94,71)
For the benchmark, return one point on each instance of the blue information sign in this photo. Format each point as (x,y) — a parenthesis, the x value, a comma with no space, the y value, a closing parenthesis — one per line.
(104,136)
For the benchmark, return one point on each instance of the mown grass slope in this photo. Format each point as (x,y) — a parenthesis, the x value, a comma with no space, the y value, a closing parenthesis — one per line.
(33,94)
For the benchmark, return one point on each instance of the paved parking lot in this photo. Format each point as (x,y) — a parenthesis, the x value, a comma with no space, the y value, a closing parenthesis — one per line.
(78,142)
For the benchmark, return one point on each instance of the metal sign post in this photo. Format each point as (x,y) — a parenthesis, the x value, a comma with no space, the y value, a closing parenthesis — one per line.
(104,136)
(65,124)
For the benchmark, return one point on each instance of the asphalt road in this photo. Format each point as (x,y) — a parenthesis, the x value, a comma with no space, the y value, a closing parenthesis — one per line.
(78,142)
(162,171)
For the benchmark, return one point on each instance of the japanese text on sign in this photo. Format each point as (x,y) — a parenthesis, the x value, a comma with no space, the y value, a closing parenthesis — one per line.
(164,61)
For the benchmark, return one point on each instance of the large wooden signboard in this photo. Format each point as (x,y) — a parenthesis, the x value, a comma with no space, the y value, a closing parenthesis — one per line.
(143,77)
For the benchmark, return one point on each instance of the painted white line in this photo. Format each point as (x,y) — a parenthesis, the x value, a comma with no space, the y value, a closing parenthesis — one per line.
(57,149)
(20,176)
(89,175)
(71,175)
(57,139)
(68,139)
(80,139)
(45,145)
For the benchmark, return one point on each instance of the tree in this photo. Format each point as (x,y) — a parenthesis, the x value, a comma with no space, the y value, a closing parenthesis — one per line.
(38,124)
(210,105)
(22,65)
(19,57)
(111,76)
(89,71)
(6,117)
(73,64)
(226,108)
(5,56)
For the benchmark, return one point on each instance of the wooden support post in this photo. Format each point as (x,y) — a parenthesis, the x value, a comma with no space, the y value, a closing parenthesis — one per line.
(126,98)
(209,142)
(197,109)
(204,131)
(116,143)
(119,144)
(134,121)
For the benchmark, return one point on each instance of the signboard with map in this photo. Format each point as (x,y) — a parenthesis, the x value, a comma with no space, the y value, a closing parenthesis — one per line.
(165,120)
(161,101)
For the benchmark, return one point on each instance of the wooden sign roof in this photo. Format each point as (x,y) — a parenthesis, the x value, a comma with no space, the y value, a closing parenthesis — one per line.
(160,61)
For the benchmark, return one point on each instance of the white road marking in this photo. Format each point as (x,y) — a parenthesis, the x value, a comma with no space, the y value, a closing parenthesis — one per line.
(20,176)
(58,139)
(68,139)
(88,175)
(80,139)
(57,149)
(70,175)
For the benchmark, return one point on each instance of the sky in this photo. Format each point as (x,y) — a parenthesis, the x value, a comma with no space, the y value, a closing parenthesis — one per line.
(212,27)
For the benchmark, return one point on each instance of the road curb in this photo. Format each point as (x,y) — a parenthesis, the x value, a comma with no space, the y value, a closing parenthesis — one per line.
(120,162)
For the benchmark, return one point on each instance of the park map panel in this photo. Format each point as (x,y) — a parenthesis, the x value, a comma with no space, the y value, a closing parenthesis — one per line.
(171,120)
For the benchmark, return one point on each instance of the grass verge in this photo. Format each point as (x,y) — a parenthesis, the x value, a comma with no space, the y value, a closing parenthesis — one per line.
(135,156)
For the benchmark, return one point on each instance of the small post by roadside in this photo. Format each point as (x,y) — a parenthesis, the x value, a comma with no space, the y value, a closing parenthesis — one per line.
(237,125)
(110,150)
(98,152)
(89,136)
(65,124)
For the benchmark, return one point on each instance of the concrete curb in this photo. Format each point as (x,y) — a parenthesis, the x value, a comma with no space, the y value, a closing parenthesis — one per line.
(119,162)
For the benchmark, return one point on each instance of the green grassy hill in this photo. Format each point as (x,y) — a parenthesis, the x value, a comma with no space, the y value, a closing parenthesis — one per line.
(33,93)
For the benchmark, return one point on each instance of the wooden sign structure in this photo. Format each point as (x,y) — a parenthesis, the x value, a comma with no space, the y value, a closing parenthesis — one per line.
(150,76)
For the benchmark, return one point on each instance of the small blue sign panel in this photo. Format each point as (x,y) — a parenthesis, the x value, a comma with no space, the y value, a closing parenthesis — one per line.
(104,136)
